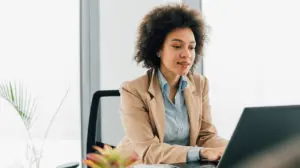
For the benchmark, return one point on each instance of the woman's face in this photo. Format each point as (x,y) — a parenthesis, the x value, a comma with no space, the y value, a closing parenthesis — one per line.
(178,52)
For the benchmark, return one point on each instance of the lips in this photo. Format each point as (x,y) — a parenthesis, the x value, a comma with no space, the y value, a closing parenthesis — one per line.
(184,63)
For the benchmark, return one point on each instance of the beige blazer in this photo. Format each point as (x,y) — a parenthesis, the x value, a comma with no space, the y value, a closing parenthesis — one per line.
(143,117)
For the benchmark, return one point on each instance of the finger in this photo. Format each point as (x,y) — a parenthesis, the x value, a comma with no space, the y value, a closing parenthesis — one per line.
(220,149)
(220,153)
(213,156)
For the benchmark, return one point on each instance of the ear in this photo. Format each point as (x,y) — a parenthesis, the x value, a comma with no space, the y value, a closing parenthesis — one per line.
(158,53)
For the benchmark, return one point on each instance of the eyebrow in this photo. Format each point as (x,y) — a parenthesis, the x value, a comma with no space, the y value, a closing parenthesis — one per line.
(191,42)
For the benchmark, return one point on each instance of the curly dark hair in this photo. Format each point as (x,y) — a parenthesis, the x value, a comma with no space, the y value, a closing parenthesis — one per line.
(158,23)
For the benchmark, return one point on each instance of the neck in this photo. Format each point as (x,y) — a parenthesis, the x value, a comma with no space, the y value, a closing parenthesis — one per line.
(172,78)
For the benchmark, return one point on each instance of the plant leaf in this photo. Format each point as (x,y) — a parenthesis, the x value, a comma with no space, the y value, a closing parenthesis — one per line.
(11,92)
(22,103)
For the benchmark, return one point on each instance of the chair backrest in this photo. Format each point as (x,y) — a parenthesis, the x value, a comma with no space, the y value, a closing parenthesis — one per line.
(105,125)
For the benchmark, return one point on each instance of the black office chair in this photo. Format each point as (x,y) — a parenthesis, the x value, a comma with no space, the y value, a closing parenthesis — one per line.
(100,132)
(104,122)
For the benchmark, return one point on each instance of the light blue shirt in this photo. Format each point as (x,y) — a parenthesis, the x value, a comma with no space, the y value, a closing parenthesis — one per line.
(177,120)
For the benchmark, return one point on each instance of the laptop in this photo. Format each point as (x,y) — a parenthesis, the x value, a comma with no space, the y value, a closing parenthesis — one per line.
(265,137)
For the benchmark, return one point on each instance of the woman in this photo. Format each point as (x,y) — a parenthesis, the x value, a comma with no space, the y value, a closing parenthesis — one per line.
(166,113)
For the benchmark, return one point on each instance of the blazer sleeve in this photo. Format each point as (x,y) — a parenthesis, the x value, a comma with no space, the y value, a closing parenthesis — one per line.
(138,130)
(207,136)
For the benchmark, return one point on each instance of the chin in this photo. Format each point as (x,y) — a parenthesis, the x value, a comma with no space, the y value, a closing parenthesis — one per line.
(183,72)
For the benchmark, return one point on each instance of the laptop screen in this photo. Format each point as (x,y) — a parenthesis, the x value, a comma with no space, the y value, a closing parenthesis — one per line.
(259,131)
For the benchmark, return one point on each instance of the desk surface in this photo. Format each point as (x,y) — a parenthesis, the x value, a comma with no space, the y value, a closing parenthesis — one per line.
(196,165)
(56,152)
(179,165)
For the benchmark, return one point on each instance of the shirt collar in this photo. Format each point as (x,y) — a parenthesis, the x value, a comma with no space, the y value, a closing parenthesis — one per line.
(164,86)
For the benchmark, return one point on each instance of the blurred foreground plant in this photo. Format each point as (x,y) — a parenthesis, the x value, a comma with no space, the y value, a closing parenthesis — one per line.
(109,158)
(21,100)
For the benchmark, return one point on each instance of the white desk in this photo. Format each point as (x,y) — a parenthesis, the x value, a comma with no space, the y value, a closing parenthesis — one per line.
(56,152)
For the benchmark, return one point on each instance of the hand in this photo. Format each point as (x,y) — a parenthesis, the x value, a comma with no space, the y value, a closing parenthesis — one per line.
(212,154)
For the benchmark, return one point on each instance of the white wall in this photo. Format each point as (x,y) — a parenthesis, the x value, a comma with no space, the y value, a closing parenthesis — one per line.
(39,46)
(252,58)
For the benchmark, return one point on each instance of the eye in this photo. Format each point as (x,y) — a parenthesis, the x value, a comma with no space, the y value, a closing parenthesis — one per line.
(176,46)
(192,48)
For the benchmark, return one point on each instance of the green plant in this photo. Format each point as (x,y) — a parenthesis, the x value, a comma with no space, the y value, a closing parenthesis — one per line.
(21,100)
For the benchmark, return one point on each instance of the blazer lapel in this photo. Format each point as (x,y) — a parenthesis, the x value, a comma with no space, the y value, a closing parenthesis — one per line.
(157,108)
(192,107)
(156,105)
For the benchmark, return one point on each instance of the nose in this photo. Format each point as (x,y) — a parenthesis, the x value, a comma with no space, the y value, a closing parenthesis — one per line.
(185,53)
